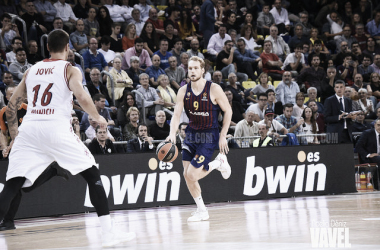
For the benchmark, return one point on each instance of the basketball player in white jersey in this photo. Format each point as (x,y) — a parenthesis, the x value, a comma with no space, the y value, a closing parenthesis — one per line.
(46,134)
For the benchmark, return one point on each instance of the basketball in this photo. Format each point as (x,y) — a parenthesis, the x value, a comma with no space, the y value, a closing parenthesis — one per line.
(167,151)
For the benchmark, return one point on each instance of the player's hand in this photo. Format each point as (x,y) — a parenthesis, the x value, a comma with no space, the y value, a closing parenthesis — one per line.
(101,121)
(171,138)
(223,145)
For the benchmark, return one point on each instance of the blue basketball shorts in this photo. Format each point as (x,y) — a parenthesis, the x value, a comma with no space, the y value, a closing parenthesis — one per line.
(199,146)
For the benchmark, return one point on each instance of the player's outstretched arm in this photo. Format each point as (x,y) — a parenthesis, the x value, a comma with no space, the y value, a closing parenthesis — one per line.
(14,104)
(222,101)
(177,115)
(85,101)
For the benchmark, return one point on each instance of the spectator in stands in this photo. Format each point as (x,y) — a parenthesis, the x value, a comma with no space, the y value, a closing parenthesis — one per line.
(163,54)
(58,24)
(236,89)
(265,20)
(127,10)
(207,20)
(65,12)
(319,118)
(79,38)
(298,38)
(122,82)
(91,130)
(317,50)
(348,69)
(108,54)
(116,43)
(361,36)
(149,35)
(128,101)
(246,127)
(7,80)
(375,65)
(137,21)
(155,71)
(194,49)
(271,63)
(71,59)
(144,9)
(157,23)
(115,11)
(295,61)
(372,26)
(238,112)
(364,104)
(177,50)
(275,128)
(160,129)
(47,10)
(264,140)
(312,93)
(81,9)
(375,84)
(246,60)
(101,144)
(359,124)
(314,37)
(336,120)
(91,25)
(7,6)
(215,45)
(312,76)
(327,86)
(259,108)
(272,104)
(280,16)
(33,56)
(263,85)
(96,87)
(130,36)
(365,69)
(130,129)
(181,136)
(175,73)
(348,92)
(105,21)
(35,24)
(165,92)
(304,22)
(356,51)
(152,102)
(134,71)
(20,66)
(358,84)
(143,143)
(290,122)
(371,49)
(309,127)
(92,58)
(217,78)
(287,90)
(299,106)
(16,44)
(184,61)
(280,47)
(9,30)
(138,51)
(225,61)
(187,29)
(347,37)
(344,50)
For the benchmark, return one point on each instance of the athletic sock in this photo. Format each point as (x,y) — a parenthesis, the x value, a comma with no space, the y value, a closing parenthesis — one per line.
(105,222)
(200,204)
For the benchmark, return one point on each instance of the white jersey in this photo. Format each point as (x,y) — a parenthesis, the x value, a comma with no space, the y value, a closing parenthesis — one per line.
(49,95)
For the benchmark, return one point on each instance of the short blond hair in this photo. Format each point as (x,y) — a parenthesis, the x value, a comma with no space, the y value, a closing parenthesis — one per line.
(132,109)
(198,59)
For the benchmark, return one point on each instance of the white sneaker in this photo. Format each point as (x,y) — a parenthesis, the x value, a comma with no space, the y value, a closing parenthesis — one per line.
(224,168)
(112,238)
(198,216)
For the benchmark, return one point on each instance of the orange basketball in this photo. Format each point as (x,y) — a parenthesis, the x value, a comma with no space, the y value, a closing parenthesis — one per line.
(167,151)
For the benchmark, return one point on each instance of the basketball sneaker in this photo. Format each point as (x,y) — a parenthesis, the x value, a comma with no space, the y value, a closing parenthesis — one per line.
(198,216)
(114,237)
(224,168)
(7,225)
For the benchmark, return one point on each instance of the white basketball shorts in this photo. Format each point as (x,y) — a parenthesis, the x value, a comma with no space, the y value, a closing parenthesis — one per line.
(39,143)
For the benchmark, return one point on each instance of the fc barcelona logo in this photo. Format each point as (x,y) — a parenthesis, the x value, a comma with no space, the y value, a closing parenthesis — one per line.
(204,97)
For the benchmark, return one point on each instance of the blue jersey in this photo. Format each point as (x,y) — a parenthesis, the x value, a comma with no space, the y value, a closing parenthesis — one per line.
(202,113)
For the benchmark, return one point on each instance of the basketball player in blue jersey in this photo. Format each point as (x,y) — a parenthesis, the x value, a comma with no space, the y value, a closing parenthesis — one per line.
(202,100)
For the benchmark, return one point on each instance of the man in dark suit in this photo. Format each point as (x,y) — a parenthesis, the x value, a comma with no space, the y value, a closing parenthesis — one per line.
(207,20)
(143,143)
(181,135)
(337,114)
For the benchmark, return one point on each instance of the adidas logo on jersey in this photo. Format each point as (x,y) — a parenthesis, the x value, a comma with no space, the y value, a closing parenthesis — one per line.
(199,113)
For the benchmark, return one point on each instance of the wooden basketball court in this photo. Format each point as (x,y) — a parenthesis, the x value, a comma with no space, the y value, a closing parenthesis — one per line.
(261,224)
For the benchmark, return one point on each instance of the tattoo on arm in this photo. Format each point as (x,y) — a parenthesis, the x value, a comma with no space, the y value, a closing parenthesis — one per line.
(11,113)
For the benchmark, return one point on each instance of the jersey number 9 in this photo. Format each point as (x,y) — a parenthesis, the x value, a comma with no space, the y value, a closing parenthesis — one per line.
(196,105)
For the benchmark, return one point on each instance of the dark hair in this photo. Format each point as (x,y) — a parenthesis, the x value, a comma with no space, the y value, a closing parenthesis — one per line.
(366,55)
(222,26)
(163,40)
(228,41)
(176,40)
(245,28)
(372,39)
(5,15)
(97,97)
(315,55)
(142,124)
(318,42)
(105,40)
(354,43)
(20,49)
(240,40)
(57,18)
(124,103)
(182,123)
(57,40)
(145,35)
(188,21)
(269,91)
(287,105)
(262,94)
(339,82)
(138,40)
(299,46)
(107,20)
(114,25)
(97,128)
(16,38)
(6,72)
(312,120)
(167,24)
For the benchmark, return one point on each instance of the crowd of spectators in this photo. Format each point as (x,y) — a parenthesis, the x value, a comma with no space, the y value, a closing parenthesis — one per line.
(286,66)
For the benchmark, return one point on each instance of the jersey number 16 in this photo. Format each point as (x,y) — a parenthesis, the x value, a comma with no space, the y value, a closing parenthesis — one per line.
(46,96)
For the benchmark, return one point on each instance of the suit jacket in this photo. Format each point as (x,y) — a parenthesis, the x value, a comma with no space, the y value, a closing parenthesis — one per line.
(207,16)
(367,144)
(331,113)
(133,146)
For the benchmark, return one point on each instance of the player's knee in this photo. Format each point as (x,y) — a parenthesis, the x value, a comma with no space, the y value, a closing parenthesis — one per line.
(192,176)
